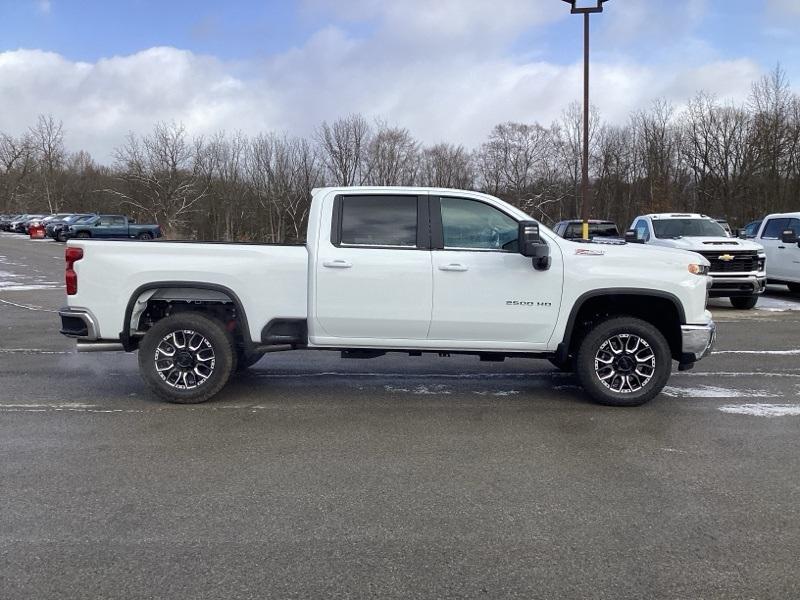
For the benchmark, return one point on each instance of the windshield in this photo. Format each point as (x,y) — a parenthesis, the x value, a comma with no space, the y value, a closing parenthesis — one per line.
(676,228)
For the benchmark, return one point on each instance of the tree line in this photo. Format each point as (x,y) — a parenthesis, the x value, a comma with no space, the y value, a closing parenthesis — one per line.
(721,159)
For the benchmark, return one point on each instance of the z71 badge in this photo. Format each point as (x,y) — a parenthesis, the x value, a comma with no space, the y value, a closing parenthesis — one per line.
(587,252)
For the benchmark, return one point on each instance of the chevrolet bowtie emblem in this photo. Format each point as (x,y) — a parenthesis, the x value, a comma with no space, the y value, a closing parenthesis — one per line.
(726,257)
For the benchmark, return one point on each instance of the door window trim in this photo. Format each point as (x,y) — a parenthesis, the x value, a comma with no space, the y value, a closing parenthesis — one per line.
(423,224)
(437,228)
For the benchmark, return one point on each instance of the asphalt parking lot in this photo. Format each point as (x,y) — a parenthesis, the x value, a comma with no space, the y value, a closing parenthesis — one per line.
(316,477)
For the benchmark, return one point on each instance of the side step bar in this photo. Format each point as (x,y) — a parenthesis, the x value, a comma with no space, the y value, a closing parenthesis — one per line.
(99,346)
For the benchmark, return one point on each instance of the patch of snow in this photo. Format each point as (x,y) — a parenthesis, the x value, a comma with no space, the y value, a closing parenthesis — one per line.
(776,352)
(710,391)
(420,390)
(762,410)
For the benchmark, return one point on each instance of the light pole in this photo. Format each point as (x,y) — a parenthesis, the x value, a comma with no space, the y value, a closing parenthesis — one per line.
(585,8)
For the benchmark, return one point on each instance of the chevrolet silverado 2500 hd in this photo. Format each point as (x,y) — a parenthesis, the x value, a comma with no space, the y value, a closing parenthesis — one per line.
(737,266)
(394,270)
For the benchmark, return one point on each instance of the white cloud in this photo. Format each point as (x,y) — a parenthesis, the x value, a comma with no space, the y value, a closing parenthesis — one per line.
(455,91)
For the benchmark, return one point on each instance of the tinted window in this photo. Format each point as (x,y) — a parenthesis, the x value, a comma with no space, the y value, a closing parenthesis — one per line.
(574,231)
(473,224)
(379,220)
(677,228)
(642,230)
(603,230)
(752,229)
(774,228)
(116,221)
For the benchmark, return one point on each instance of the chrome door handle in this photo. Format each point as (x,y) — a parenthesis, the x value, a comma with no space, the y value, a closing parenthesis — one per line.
(453,267)
(337,264)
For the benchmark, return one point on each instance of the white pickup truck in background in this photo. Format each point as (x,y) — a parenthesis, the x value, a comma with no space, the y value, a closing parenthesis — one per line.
(778,234)
(737,265)
(407,270)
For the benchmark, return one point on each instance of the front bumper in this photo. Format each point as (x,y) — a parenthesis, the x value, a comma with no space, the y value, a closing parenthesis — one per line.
(697,341)
(725,286)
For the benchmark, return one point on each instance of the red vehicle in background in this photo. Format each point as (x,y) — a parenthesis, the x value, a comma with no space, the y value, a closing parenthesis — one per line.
(36,230)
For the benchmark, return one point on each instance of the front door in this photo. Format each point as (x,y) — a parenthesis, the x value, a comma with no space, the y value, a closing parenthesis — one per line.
(783,260)
(373,275)
(484,290)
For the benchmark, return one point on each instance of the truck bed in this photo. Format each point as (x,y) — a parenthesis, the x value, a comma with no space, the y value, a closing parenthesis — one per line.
(268,280)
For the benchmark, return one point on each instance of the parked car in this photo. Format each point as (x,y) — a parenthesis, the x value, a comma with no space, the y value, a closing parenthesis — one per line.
(21,225)
(5,223)
(407,270)
(111,226)
(55,228)
(778,233)
(726,226)
(737,266)
(598,230)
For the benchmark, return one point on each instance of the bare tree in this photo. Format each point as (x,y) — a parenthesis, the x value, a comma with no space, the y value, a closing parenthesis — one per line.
(47,138)
(342,148)
(158,176)
(391,157)
(447,166)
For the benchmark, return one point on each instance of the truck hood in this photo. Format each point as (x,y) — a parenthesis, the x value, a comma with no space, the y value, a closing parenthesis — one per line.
(662,255)
(710,244)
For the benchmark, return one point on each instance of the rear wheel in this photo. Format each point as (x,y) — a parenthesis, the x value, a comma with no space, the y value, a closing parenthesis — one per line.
(744,302)
(144,236)
(794,287)
(186,358)
(623,361)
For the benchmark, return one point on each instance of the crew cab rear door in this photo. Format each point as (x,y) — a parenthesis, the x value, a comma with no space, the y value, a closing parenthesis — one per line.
(373,270)
(484,290)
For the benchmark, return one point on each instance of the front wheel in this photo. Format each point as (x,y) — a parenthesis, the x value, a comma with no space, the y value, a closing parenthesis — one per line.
(744,302)
(623,361)
(186,358)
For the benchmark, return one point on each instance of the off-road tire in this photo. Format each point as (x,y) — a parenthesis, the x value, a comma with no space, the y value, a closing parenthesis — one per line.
(744,302)
(220,340)
(586,364)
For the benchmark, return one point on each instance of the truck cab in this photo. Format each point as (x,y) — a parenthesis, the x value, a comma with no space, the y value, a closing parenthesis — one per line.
(778,234)
(737,265)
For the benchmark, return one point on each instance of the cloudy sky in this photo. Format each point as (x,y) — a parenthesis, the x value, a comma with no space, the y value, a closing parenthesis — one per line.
(446,69)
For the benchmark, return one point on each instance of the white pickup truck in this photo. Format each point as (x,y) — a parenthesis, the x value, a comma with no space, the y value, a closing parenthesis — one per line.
(407,270)
(778,234)
(737,266)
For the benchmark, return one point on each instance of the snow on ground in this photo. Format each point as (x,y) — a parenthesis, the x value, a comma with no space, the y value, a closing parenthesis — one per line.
(710,391)
(762,410)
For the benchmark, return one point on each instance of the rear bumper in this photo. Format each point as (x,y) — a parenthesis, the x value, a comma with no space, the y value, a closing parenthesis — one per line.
(78,323)
(697,341)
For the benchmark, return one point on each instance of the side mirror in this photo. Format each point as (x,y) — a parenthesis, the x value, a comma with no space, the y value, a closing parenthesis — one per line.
(632,237)
(742,234)
(789,236)
(533,246)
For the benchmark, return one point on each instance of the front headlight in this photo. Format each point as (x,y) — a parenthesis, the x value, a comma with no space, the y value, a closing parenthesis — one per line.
(698,269)
(762,262)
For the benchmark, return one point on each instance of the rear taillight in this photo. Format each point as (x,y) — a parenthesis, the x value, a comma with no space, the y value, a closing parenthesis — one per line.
(72,255)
